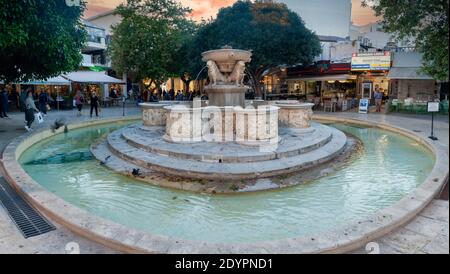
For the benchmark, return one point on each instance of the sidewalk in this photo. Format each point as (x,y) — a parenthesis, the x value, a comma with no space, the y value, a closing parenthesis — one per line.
(427,233)
(14,125)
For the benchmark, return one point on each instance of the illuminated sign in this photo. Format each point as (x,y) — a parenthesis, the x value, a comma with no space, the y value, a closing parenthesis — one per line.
(371,61)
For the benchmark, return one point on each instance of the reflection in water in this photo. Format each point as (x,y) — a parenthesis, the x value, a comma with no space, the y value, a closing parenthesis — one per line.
(390,167)
(63,158)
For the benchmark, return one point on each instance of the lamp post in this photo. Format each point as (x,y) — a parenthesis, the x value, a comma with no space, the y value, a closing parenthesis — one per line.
(124,98)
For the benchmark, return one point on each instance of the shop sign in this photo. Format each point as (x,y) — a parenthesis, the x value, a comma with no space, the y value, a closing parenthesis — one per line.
(374,61)
(364,106)
(433,107)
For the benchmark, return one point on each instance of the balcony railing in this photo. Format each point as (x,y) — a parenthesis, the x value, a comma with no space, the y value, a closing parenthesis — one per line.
(96,39)
(95,35)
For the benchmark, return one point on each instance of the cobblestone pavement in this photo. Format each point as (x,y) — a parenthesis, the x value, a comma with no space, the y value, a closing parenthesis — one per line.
(427,233)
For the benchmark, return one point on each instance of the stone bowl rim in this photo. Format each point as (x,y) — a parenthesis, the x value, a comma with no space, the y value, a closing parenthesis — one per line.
(122,238)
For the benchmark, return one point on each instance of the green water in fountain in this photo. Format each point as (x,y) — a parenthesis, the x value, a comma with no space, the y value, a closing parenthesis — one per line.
(389,168)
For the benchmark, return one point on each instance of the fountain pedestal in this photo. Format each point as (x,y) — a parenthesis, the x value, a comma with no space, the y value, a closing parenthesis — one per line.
(226,95)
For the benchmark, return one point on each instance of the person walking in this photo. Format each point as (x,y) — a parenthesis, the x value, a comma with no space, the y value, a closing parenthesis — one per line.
(3,103)
(15,98)
(94,104)
(378,99)
(79,102)
(43,101)
(30,108)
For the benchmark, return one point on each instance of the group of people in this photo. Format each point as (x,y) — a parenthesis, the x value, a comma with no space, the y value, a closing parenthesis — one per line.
(171,95)
(24,101)
(27,103)
(181,95)
(79,100)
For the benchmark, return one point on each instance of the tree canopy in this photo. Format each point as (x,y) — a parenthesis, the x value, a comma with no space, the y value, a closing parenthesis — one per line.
(39,39)
(275,34)
(151,32)
(424,20)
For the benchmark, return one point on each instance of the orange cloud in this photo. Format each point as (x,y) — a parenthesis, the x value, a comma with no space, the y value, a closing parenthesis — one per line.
(205,8)
(361,15)
(209,8)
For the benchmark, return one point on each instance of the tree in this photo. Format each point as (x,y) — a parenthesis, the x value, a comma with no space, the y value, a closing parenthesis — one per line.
(424,20)
(39,39)
(181,63)
(144,44)
(276,35)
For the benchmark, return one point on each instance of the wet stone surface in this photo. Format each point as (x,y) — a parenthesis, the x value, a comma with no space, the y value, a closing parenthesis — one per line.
(137,147)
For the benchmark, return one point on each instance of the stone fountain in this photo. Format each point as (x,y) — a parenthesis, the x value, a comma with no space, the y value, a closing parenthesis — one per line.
(226,71)
(226,140)
(227,118)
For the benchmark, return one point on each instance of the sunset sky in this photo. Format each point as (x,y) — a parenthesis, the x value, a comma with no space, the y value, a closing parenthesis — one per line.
(208,8)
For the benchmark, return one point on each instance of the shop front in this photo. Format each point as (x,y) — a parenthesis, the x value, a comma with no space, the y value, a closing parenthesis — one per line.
(103,85)
(327,85)
(372,70)
(369,82)
(56,88)
(411,89)
(408,80)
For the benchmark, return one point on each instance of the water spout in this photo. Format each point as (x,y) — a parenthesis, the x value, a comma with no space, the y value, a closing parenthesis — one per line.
(198,75)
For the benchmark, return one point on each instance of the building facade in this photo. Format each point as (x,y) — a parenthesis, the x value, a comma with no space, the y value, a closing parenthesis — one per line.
(324,17)
(408,81)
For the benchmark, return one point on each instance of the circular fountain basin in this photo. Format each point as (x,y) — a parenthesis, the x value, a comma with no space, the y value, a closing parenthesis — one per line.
(336,213)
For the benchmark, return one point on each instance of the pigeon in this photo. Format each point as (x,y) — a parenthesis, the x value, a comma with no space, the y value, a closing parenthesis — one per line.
(57,124)
(102,163)
(136,172)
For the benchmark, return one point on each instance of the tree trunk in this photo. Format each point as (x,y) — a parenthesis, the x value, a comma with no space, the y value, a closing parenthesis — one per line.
(186,84)
(141,89)
(256,79)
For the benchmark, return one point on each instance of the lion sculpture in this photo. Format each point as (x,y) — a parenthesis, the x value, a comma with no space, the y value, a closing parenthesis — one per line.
(238,74)
(214,73)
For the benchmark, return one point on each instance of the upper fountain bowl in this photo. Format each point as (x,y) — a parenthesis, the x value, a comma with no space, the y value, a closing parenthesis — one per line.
(227,57)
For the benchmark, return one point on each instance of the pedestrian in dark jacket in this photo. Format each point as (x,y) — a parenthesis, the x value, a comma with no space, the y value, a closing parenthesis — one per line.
(3,103)
(43,101)
(94,104)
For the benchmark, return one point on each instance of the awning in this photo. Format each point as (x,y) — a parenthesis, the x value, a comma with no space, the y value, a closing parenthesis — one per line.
(55,81)
(337,77)
(92,77)
(408,74)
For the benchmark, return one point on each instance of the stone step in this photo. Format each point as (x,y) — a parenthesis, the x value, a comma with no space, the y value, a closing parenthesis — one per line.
(292,142)
(102,152)
(226,171)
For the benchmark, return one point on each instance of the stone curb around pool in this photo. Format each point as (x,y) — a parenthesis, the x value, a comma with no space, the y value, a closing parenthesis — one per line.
(125,239)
